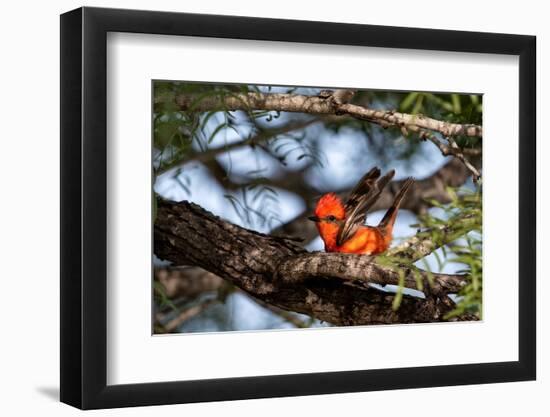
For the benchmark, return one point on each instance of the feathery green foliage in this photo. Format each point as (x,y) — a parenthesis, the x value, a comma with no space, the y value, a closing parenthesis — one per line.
(452,237)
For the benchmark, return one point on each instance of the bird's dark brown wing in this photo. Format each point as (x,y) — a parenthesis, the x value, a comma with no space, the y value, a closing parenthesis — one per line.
(360,200)
(361,189)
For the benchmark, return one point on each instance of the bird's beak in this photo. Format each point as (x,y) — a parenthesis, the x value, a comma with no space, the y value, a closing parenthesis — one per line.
(314,218)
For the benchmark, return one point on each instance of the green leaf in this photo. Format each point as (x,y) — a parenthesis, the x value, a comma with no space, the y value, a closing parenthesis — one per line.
(418,105)
(165,132)
(418,279)
(455,98)
(162,299)
(399,294)
(438,259)
(408,101)
(216,131)
(205,119)
(428,270)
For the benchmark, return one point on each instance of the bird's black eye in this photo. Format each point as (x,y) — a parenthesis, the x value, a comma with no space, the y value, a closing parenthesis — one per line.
(331,218)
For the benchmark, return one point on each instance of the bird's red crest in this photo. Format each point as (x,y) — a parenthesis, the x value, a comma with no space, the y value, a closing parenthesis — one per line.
(330,204)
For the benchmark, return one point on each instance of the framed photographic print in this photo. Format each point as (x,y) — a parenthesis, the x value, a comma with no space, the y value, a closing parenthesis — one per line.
(258,208)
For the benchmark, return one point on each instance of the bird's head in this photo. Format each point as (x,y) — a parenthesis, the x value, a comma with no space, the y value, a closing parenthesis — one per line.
(329,209)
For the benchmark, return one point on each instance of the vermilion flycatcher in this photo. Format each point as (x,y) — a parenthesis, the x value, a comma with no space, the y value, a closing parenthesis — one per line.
(342,226)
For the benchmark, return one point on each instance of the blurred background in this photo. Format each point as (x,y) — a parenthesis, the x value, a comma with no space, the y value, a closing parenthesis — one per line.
(265,171)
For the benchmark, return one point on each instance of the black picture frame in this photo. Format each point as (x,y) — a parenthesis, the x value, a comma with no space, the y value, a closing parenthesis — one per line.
(84,207)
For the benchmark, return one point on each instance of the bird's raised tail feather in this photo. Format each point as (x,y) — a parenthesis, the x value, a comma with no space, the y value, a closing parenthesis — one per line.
(391,214)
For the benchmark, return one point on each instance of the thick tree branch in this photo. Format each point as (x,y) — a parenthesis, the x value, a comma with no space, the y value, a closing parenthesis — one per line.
(324,105)
(360,271)
(280,273)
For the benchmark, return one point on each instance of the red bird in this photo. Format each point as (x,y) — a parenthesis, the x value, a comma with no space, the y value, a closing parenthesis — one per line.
(342,226)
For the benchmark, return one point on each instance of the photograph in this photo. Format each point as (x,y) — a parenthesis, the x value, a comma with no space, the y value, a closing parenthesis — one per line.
(298,207)
(273,209)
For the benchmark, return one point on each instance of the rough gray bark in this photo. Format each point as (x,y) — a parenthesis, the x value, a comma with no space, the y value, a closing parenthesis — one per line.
(329,287)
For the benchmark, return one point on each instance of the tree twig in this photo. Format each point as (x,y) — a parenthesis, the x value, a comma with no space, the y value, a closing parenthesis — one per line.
(285,315)
(454,150)
(422,244)
(188,314)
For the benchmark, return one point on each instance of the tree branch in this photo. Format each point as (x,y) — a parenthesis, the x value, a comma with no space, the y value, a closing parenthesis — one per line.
(456,151)
(189,313)
(280,273)
(422,244)
(362,270)
(323,105)
(285,315)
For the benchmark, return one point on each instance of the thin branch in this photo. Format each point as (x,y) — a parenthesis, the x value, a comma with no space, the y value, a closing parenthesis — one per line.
(331,104)
(284,314)
(188,314)
(422,244)
(459,153)
(328,104)
(323,105)
(471,151)
(456,151)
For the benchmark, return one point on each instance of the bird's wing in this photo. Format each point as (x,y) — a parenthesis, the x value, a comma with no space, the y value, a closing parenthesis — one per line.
(360,200)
